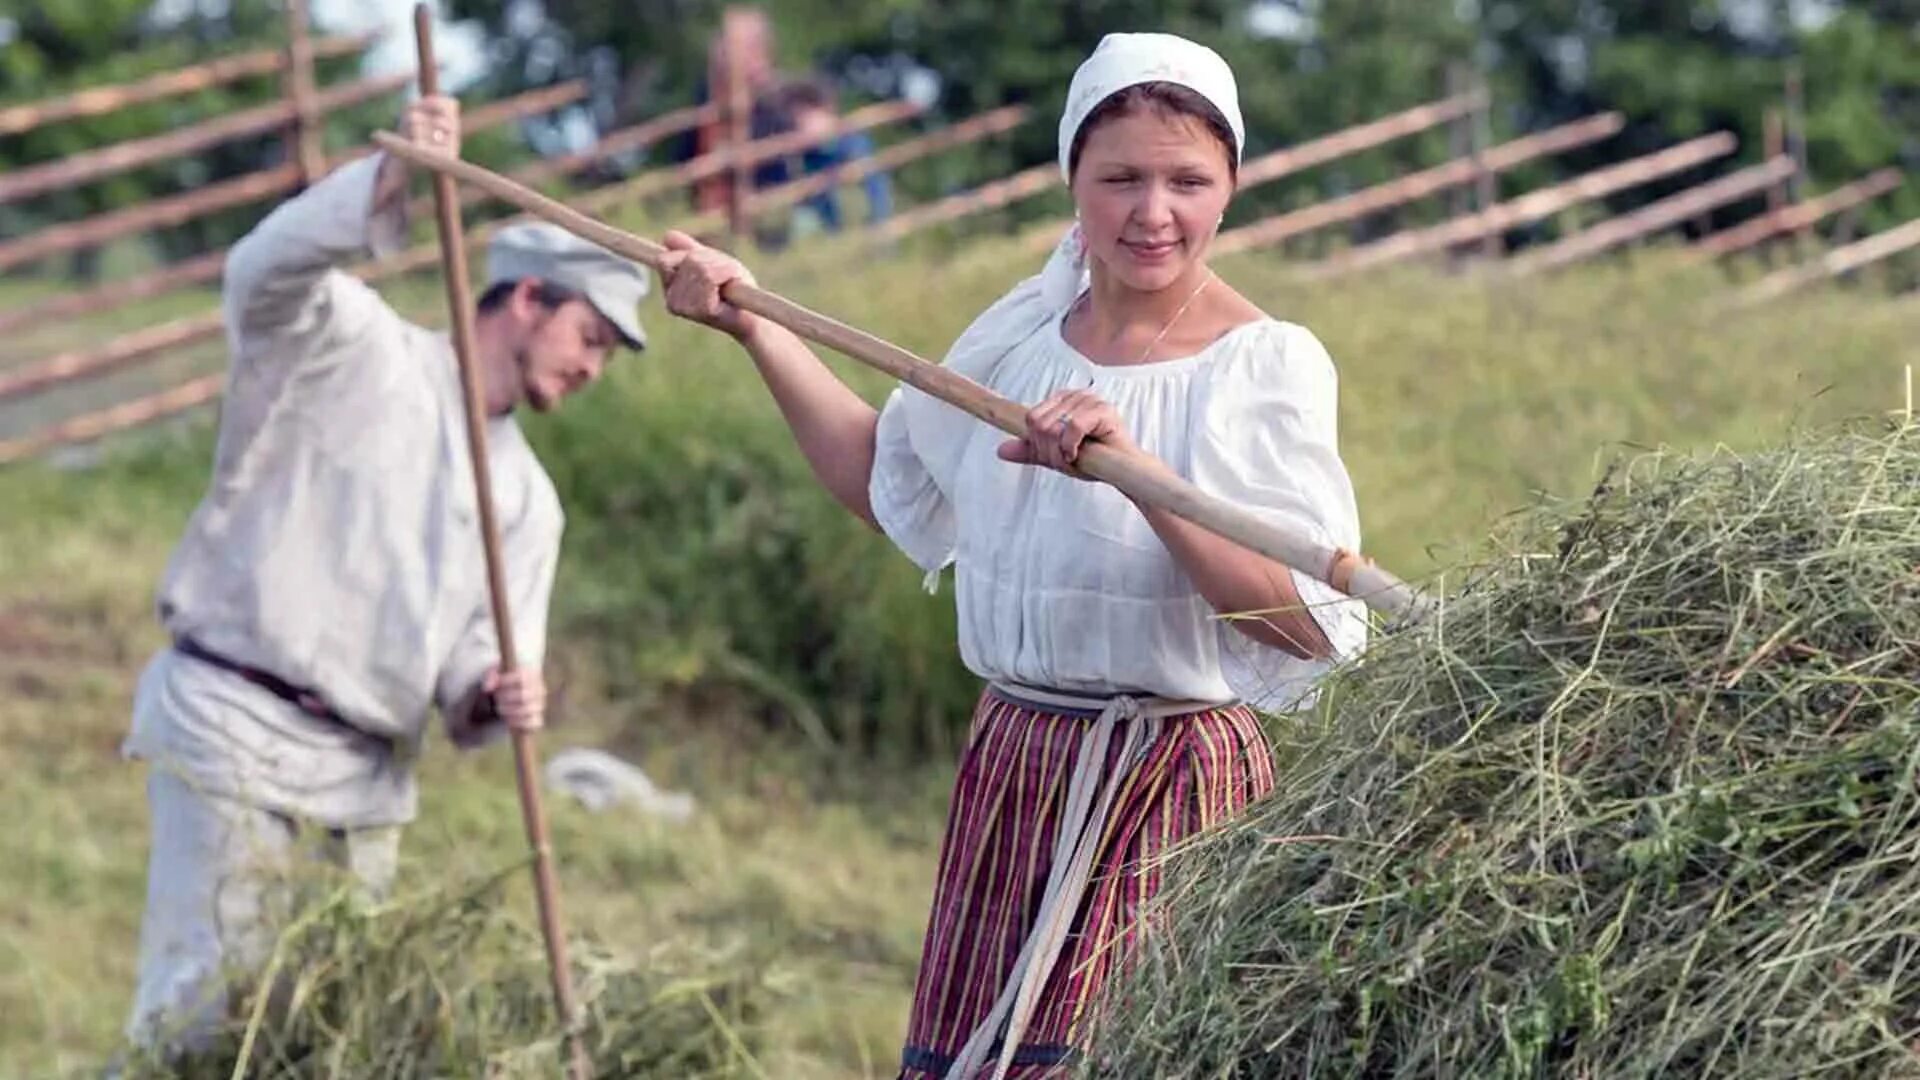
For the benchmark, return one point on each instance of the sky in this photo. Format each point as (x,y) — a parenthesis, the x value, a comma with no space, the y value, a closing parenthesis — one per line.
(461,47)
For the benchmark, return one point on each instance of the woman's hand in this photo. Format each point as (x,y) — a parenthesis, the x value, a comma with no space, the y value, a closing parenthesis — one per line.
(694,275)
(1058,428)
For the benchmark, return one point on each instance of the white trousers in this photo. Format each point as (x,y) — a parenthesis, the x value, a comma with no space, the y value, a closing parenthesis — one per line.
(216,888)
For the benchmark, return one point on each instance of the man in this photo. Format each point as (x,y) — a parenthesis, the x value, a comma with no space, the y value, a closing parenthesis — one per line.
(331,588)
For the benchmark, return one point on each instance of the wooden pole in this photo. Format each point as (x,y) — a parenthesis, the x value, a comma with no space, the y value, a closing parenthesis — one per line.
(171,210)
(1339,144)
(638,137)
(187,395)
(147,342)
(1833,264)
(460,311)
(101,100)
(1453,174)
(118,353)
(1141,476)
(507,110)
(990,196)
(739,120)
(1261,170)
(204,268)
(1532,206)
(195,271)
(1801,215)
(970,130)
(1459,141)
(306,129)
(1796,130)
(1654,216)
(1487,185)
(1776,145)
(730,157)
(190,205)
(120,157)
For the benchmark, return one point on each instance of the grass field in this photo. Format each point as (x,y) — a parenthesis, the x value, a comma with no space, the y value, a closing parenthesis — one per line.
(677,638)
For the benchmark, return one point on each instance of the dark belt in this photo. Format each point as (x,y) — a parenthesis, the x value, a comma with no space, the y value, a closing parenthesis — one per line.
(307,701)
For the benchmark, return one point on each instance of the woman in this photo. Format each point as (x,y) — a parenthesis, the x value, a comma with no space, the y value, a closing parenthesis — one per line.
(1116,719)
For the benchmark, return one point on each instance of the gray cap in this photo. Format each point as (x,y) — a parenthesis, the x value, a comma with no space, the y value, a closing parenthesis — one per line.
(613,284)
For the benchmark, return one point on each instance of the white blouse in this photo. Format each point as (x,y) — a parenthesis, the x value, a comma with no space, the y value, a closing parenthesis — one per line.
(1061,583)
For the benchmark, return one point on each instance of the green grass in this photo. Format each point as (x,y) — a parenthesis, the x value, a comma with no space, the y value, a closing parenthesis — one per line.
(710,596)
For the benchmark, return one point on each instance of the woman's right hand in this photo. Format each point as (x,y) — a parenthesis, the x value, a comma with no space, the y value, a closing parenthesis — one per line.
(694,275)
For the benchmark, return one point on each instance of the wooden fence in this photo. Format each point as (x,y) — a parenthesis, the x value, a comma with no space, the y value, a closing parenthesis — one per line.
(1469,179)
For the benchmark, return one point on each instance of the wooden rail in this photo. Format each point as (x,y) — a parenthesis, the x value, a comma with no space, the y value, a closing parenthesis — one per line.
(1831,265)
(637,137)
(990,196)
(107,161)
(101,100)
(171,210)
(508,110)
(195,271)
(188,206)
(118,353)
(1531,207)
(140,345)
(1406,189)
(1353,140)
(143,344)
(302,91)
(970,130)
(190,394)
(1800,216)
(1326,148)
(1655,216)
(727,157)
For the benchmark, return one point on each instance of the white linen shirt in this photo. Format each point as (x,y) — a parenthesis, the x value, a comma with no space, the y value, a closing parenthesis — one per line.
(337,545)
(1062,583)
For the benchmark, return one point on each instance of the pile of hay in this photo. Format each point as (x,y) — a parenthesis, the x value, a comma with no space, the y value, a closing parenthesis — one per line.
(451,985)
(1641,802)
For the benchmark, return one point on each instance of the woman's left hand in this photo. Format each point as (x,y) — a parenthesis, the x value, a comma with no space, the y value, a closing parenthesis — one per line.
(1058,427)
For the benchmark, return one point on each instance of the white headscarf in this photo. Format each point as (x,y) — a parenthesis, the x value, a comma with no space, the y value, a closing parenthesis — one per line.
(1120,61)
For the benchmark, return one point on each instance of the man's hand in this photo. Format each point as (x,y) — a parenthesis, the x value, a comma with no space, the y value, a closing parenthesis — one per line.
(431,123)
(519,698)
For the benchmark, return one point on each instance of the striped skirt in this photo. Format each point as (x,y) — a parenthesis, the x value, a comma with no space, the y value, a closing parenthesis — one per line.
(1190,772)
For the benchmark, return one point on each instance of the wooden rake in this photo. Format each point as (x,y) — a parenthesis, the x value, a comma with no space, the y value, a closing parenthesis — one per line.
(1139,475)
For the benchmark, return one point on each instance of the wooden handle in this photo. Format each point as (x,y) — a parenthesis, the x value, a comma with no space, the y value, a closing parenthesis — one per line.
(453,262)
(1139,475)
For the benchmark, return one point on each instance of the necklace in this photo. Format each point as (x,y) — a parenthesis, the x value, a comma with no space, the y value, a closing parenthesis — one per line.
(1161,336)
(1087,299)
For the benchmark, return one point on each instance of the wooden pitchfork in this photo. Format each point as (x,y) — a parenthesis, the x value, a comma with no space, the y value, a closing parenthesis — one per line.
(453,262)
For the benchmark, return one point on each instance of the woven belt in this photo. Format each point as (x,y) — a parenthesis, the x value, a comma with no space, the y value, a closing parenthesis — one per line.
(1083,822)
(307,701)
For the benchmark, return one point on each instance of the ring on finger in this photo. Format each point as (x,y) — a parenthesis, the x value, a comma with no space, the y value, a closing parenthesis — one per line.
(1060,425)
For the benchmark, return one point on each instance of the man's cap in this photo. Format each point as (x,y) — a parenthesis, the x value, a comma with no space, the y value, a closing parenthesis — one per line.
(613,284)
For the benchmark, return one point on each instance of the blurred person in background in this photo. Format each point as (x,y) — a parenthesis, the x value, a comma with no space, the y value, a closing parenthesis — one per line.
(812,107)
(746,39)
